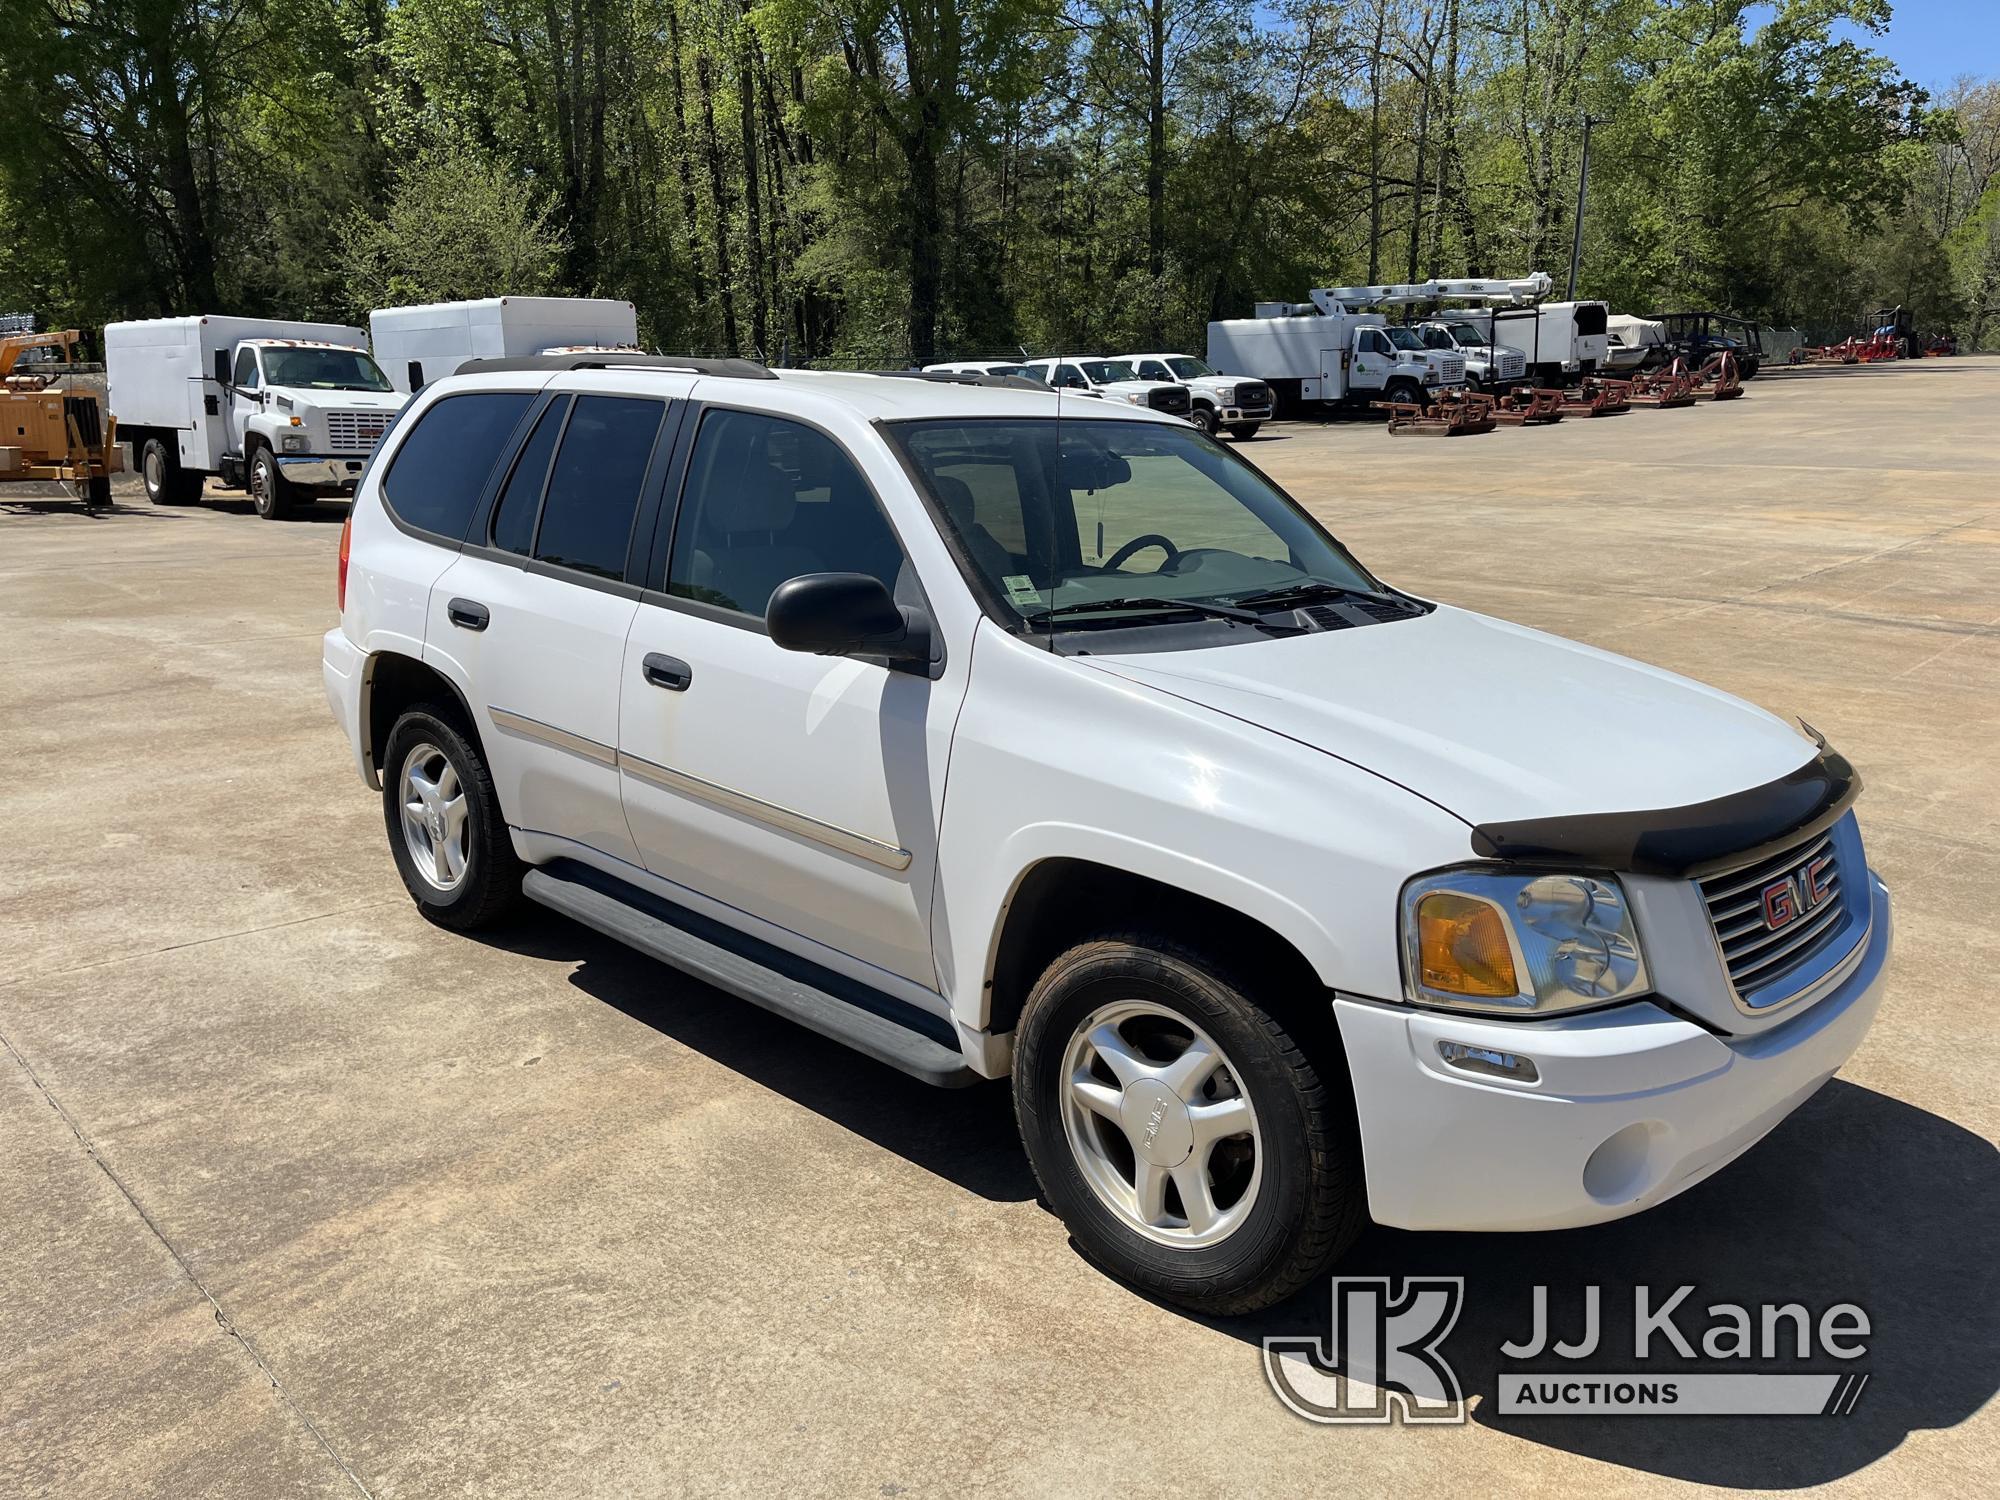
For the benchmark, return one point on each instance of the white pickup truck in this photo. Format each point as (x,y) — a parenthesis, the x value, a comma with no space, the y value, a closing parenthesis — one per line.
(288,410)
(1220,401)
(1112,380)
(1004,736)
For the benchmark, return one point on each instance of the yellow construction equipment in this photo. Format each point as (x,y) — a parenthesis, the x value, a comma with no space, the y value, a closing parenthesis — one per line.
(51,427)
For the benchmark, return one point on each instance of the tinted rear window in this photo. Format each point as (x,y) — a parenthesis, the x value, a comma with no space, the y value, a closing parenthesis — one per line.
(441,467)
(594,487)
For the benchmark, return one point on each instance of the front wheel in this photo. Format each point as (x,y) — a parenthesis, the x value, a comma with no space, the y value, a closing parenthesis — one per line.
(1204,418)
(1405,391)
(1244,431)
(270,491)
(1185,1138)
(446,829)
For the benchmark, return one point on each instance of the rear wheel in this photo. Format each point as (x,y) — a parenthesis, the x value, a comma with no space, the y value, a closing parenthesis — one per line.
(1185,1138)
(167,483)
(1244,431)
(270,491)
(446,829)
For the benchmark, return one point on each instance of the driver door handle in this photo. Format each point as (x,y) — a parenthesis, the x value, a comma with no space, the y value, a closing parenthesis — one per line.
(668,672)
(468,614)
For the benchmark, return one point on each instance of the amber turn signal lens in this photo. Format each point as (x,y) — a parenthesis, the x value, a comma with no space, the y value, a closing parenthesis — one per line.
(1462,946)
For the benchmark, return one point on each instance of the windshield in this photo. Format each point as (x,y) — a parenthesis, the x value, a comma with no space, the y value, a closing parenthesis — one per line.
(1060,516)
(1187,367)
(323,369)
(1105,371)
(1022,370)
(1465,333)
(1404,338)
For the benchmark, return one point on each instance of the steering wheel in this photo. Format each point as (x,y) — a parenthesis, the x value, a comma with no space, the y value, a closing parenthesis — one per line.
(1140,544)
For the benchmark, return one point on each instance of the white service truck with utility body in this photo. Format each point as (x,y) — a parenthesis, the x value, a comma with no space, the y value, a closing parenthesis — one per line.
(289,411)
(1560,341)
(430,340)
(1002,736)
(1488,366)
(1221,402)
(1327,353)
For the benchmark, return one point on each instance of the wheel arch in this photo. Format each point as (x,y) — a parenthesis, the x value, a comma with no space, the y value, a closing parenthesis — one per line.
(393,681)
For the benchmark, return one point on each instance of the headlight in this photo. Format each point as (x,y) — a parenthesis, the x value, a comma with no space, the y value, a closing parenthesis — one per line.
(1134,398)
(1226,394)
(1430,377)
(1519,944)
(295,442)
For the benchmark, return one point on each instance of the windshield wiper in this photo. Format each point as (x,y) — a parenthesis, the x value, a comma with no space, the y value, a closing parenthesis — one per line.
(1312,588)
(1153,606)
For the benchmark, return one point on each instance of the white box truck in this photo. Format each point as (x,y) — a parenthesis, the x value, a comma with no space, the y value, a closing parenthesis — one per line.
(288,410)
(1324,353)
(429,341)
(1559,340)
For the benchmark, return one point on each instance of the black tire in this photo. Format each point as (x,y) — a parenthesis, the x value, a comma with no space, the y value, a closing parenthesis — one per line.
(97,492)
(1204,418)
(490,886)
(270,491)
(1404,390)
(1309,1205)
(1244,431)
(167,483)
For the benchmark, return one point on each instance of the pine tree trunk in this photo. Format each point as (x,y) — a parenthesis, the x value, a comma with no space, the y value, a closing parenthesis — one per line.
(711,151)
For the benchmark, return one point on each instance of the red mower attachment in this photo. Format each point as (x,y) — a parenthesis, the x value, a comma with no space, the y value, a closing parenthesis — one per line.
(1664,389)
(1526,406)
(1597,396)
(1454,414)
(1718,379)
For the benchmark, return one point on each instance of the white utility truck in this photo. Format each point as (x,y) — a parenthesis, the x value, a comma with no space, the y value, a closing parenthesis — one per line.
(1327,352)
(288,410)
(1488,366)
(429,341)
(1220,401)
(1559,340)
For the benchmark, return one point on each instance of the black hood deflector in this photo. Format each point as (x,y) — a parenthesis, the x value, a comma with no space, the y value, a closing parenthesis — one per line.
(1697,840)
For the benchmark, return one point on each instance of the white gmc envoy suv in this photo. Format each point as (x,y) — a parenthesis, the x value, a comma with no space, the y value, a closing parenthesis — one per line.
(1000,734)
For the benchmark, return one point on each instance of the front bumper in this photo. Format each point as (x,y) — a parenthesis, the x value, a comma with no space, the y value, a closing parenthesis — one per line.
(321,471)
(342,671)
(1633,1104)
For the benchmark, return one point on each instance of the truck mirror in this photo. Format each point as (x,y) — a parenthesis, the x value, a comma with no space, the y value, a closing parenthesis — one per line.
(222,367)
(416,376)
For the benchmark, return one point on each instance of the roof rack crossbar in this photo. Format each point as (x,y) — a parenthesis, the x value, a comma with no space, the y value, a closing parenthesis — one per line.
(736,369)
(961,377)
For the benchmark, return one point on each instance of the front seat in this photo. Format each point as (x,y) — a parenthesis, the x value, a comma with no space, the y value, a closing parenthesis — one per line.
(955,495)
(745,550)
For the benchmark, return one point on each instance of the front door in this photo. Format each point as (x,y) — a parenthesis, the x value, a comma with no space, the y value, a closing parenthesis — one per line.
(246,396)
(802,790)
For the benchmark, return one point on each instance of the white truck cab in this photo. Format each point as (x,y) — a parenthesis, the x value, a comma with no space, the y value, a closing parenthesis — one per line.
(289,410)
(1003,736)
(1487,366)
(1221,402)
(1111,380)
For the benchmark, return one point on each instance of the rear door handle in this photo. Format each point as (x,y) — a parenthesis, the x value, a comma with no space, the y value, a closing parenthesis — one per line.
(468,614)
(668,672)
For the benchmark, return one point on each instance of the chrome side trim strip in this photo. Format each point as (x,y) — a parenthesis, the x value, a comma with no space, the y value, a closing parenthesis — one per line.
(548,734)
(889,856)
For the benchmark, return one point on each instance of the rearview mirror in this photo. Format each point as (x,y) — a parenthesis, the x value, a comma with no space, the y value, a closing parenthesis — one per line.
(846,614)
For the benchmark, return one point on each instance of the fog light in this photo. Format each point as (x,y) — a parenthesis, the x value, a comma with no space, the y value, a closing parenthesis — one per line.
(1484,1060)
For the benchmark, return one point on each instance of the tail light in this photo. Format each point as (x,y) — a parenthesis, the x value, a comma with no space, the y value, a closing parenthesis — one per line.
(346,535)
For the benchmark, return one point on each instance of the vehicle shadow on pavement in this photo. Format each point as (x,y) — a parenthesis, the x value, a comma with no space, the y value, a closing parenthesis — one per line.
(966,1136)
(1857,1198)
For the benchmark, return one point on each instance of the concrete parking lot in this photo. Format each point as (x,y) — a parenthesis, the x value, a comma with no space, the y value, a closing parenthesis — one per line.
(300,1195)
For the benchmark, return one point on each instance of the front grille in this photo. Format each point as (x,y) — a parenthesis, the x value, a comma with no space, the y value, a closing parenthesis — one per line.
(1512,364)
(1454,369)
(1759,956)
(1251,394)
(355,431)
(1173,399)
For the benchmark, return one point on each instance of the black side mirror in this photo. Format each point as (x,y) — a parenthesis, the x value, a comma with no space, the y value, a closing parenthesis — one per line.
(846,614)
(222,367)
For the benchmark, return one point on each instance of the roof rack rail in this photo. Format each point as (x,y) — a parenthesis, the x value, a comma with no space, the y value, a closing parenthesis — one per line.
(738,369)
(961,377)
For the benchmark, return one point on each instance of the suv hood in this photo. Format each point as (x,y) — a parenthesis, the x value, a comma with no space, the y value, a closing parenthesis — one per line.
(1489,720)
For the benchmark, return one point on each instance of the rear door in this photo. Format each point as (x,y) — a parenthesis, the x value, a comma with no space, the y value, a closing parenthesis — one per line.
(537,607)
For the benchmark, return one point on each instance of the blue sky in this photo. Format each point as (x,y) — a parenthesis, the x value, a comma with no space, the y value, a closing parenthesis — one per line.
(1934,41)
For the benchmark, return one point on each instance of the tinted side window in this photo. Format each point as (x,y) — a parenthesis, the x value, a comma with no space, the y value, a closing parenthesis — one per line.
(246,369)
(521,501)
(594,486)
(767,500)
(441,467)
(1152,369)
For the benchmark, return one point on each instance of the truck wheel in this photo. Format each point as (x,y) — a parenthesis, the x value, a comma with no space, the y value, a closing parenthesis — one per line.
(270,491)
(446,830)
(167,483)
(1204,418)
(1179,1131)
(1244,431)
(1404,390)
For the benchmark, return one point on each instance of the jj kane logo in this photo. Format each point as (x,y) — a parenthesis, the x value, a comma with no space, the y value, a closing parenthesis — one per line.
(1382,1359)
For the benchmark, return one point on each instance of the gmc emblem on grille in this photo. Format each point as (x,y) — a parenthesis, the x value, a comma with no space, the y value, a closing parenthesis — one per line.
(1785,901)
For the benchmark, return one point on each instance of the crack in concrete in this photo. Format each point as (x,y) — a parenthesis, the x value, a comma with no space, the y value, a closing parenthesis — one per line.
(222,1318)
(219,937)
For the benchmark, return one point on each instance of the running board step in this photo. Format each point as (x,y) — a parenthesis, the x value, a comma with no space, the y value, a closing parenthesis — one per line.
(742,966)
